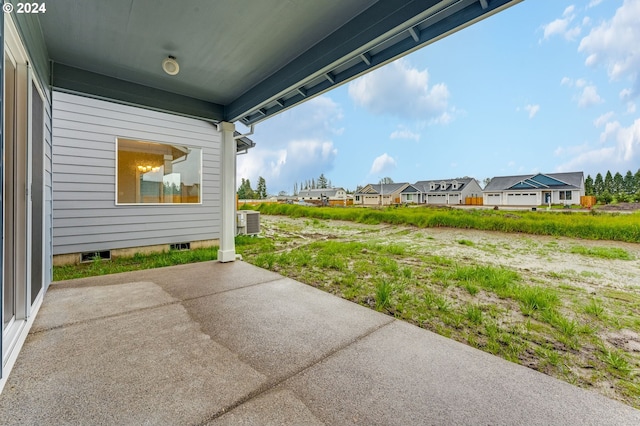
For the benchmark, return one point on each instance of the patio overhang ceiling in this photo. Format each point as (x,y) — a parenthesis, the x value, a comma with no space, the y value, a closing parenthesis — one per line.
(240,60)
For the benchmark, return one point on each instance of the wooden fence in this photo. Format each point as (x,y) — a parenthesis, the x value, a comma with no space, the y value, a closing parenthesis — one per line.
(587,201)
(473,201)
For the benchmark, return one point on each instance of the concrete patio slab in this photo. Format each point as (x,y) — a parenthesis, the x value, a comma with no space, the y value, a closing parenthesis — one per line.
(215,343)
(403,375)
(146,367)
(186,281)
(277,408)
(65,306)
(283,326)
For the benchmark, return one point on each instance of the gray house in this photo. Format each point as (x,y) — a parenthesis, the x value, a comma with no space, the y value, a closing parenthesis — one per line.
(448,191)
(128,179)
(535,190)
(164,82)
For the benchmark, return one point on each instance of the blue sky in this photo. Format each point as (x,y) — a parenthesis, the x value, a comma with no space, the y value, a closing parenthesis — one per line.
(544,86)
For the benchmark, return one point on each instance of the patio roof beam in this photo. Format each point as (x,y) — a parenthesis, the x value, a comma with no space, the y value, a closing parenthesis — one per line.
(373,37)
(77,81)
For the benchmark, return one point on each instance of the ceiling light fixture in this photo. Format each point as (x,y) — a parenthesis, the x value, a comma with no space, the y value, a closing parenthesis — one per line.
(170,65)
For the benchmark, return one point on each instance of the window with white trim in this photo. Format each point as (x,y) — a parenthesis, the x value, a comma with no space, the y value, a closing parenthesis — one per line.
(158,173)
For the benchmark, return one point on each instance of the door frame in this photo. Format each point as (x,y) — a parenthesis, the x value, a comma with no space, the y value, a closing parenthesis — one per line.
(27,306)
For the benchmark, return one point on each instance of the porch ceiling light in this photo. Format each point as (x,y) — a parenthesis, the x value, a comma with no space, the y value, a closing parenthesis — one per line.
(170,65)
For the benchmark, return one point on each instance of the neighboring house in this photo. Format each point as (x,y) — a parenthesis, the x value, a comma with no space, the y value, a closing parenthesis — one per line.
(448,191)
(128,180)
(535,189)
(325,196)
(380,194)
(410,195)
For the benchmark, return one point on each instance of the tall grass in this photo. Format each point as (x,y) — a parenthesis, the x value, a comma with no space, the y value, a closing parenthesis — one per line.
(616,227)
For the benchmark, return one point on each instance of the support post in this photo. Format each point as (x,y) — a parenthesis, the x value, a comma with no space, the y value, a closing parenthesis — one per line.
(227,251)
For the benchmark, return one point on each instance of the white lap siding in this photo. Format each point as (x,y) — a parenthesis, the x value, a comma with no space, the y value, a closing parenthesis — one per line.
(85,215)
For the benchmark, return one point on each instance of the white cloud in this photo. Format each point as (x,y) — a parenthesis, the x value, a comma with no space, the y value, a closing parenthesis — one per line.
(532,110)
(610,129)
(401,90)
(625,94)
(589,97)
(593,3)
(566,81)
(561,26)
(383,164)
(603,119)
(619,150)
(569,11)
(404,133)
(581,82)
(631,107)
(293,146)
(615,44)
(281,168)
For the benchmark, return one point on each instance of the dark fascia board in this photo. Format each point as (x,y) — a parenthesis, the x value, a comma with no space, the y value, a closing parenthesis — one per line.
(77,81)
(380,20)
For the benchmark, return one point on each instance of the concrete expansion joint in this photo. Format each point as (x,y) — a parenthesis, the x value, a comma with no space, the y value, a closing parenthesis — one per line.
(147,308)
(90,320)
(272,384)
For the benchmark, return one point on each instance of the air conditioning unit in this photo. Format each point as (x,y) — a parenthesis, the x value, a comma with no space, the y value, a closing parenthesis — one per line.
(248,222)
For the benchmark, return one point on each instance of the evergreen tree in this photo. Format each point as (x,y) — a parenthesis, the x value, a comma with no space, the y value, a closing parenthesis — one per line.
(262,188)
(598,185)
(588,186)
(628,183)
(244,191)
(618,183)
(295,189)
(322,181)
(636,181)
(241,193)
(608,182)
(313,183)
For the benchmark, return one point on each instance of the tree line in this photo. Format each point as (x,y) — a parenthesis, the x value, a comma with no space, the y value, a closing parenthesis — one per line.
(614,187)
(245,192)
(321,183)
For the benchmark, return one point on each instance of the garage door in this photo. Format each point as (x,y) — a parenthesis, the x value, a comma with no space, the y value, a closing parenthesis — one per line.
(493,200)
(518,199)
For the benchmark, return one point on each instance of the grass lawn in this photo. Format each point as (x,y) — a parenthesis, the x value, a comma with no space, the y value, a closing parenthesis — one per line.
(135,263)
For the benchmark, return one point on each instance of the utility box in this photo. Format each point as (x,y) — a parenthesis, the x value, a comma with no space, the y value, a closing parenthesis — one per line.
(247,222)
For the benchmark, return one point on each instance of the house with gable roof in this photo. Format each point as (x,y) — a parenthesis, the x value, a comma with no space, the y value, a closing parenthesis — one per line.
(535,190)
(447,191)
(381,194)
(330,196)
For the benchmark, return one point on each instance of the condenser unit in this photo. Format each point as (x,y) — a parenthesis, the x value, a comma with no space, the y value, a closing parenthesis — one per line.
(248,222)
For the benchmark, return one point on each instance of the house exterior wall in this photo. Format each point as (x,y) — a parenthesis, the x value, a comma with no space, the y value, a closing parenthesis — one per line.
(85,215)
(529,198)
(410,198)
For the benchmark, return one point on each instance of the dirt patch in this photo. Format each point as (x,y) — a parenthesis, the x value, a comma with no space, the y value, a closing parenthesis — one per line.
(621,207)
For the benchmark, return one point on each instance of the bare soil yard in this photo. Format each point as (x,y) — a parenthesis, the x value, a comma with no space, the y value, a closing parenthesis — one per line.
(566,307)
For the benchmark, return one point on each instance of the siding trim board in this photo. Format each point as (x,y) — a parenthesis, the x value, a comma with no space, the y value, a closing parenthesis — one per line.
(86,216)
